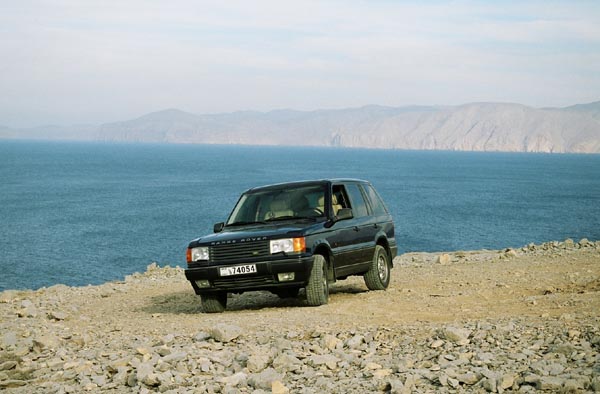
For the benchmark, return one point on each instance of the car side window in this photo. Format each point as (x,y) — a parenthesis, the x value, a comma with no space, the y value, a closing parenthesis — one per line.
(339,198)
(359,208)
(376,202)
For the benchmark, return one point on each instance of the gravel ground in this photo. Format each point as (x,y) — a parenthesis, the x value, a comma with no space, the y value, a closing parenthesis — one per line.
(515,320)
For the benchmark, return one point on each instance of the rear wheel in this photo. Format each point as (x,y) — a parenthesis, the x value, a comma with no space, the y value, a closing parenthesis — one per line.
(214,302)
(317,290)
(378,276)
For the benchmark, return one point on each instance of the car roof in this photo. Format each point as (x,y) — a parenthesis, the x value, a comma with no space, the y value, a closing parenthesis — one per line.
(305,183)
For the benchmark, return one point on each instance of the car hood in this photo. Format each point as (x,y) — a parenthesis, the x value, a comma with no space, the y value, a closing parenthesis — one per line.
(257,233)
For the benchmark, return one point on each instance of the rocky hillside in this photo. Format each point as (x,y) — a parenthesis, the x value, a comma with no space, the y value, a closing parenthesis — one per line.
(516,320)
(471,127)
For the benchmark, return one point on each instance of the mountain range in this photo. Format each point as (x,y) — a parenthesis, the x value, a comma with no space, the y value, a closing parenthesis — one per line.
(470,127)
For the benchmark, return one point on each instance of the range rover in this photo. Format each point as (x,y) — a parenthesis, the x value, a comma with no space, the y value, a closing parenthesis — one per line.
(289,236)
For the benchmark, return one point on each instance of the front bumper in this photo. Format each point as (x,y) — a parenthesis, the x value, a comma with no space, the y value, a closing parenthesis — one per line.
(265,277)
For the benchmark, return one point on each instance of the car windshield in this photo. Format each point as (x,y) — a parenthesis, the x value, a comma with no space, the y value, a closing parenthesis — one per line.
(295,202)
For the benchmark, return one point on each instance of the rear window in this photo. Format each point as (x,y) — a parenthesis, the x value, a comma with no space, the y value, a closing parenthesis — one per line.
(376,201)
(359,208)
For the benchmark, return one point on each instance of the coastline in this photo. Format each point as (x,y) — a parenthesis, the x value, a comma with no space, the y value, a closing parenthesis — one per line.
(490,320)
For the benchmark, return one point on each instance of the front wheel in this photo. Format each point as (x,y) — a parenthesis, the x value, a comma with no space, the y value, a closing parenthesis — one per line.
(317,290)
(378,276)
(214,302)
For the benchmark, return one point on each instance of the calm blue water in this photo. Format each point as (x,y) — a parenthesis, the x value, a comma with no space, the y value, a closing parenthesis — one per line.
(80,213)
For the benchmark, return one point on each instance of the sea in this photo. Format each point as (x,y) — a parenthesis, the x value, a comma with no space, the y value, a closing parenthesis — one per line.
(80,213)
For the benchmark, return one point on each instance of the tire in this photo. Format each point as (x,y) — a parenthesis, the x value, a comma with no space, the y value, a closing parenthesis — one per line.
(289,292)
(378,276)
(317,290)
(214,302)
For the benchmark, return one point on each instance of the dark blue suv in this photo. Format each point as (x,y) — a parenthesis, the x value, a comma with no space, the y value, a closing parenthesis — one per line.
(289,236)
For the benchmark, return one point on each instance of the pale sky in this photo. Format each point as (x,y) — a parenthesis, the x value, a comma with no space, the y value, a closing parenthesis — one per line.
(92,61)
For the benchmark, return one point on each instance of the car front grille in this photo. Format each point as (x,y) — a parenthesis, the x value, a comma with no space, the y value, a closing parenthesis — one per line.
(247,282)
(239,251)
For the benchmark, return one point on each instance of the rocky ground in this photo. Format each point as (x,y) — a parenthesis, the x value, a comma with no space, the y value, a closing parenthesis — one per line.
(521,320)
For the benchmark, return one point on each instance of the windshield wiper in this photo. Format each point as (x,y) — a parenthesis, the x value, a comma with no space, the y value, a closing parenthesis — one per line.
(242,223)
(281,218)
(288,217)
(314,219)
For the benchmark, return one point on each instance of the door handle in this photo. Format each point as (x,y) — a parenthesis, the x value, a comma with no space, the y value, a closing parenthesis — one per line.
(376,225)
(356,228)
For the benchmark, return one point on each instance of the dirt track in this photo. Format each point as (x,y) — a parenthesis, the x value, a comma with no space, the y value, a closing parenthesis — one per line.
(554,287)
(474,285)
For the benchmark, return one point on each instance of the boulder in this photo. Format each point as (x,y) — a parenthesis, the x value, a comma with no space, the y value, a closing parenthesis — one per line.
(355,342)
(459,336)
(12,383)
(506,381)
(7,365)
(331,342)
(469,378)
(328,360)
(201,336)
(584,243)
(550,383)
(46,342)
(264,380)
(257,362)
(174,358)
(237,379)
(57,315)
(225,332)
(396,386)
(443,259)
(279,388)
(145,374)
(120,378)
(568,244)
(436,344)
(286,362)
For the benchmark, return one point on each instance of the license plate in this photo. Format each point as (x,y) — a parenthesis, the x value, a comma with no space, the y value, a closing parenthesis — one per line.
(237,270)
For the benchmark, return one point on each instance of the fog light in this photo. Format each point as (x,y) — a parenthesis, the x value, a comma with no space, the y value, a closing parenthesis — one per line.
(203,283)
(286,276)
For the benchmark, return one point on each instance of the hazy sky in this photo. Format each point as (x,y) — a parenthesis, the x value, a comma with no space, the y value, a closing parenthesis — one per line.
(77,61)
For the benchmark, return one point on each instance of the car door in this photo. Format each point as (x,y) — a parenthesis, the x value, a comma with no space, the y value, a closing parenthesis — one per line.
(366,225)
(352,239)
(343,233)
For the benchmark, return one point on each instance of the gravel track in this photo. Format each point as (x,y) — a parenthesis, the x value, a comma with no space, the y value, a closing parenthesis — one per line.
(521,320)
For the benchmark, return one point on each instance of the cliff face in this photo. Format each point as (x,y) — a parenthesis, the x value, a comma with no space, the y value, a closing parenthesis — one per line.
(483,127)
(470,127)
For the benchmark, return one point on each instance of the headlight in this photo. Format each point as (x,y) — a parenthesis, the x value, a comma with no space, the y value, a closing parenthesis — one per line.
(200,253)
(288,245)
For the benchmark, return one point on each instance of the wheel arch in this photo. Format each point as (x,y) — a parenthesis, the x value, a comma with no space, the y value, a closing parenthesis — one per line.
(323,248)
(383,242)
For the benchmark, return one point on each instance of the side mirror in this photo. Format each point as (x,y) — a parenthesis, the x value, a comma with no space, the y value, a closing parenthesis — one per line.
(343,214)
(218,227)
